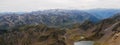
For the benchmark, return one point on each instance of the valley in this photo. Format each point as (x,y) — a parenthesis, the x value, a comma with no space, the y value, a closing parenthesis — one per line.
(59,27)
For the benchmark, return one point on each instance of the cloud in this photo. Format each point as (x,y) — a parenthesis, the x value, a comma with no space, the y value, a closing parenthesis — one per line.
(30,5)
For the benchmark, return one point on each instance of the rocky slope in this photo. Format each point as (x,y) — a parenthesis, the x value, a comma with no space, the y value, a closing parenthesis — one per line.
(105,32)
(111,33)
(34,35)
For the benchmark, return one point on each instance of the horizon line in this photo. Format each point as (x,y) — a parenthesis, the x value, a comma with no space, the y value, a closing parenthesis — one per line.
(55,9)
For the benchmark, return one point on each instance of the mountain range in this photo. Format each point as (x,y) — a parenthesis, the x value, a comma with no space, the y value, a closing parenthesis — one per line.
(54,17)
(60,27)
(48,17)
(103,13)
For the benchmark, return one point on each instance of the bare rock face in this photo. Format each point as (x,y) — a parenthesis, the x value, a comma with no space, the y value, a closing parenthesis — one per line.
(108,32)
(110,35)
(105,32)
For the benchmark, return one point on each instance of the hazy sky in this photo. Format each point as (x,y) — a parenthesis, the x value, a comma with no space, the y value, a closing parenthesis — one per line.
(32,5)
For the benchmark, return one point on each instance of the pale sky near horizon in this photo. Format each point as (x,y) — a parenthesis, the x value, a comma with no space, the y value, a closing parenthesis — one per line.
(33,5)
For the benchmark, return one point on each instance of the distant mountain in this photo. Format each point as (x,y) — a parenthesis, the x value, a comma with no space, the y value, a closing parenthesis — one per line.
(55,17)
(103,13)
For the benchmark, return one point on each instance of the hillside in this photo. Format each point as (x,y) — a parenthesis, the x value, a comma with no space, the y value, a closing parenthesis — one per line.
(33,35)
(105,32)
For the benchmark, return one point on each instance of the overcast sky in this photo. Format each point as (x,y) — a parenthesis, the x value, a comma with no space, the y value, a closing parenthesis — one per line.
(32,5)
